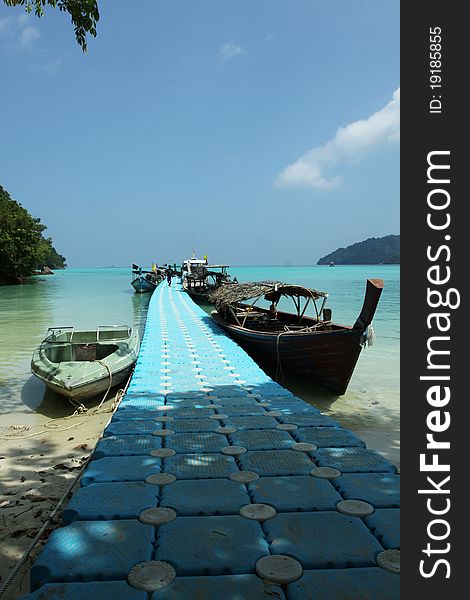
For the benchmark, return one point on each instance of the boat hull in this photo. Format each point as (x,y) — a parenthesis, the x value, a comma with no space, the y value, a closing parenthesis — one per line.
(327,358)
(199,297)
(89,389)
(143,285)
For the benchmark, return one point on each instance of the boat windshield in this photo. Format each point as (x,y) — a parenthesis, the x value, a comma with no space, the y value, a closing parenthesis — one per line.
(68,335)
(59,334)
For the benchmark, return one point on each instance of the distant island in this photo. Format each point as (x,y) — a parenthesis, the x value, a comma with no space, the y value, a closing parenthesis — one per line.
(373,251)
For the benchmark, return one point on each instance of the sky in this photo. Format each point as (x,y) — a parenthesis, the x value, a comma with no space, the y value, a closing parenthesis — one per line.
(257,133)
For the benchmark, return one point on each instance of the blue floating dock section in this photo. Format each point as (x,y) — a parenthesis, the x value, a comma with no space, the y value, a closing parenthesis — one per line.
(221,545)
(226,587)
(108,501)
(295,493)
(203,431)
(322,540)
(346,584)
(205,497)
(102,590)
(382,490)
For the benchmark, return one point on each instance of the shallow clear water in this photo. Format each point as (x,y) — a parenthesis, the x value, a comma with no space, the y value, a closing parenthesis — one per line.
(87,298)
(83,298)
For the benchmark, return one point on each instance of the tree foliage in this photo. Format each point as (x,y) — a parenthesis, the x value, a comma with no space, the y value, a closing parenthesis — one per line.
(83,13)
(52,258)
(23,248)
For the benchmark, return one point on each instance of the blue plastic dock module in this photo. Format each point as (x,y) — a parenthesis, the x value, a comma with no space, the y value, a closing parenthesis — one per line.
(294,494)
(354,460)
(276,462)
(262,439)
(100,501)
(102,590)
(93,551)
(118,468)
(322,540)
(186,443)
(223,587)
(354,584)
(328,437)
(225,545)
(385,525)
(205,497)
(202,466)
(127,445)
(200,440)
(131,427)
(308,420)
(382,490)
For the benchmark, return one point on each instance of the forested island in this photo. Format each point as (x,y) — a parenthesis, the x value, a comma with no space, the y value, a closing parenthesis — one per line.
(24,250)
(373,251)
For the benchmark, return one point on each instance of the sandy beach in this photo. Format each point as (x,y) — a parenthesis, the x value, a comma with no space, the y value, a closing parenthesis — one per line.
(37,466)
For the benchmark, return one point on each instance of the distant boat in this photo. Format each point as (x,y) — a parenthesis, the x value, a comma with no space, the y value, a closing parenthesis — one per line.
(332,264)
(199,279)
(145,281)
(82,364)
(192,273)
(314,347)
(191,266)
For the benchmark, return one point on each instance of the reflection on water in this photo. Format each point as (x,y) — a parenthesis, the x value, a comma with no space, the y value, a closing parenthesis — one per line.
(140,304)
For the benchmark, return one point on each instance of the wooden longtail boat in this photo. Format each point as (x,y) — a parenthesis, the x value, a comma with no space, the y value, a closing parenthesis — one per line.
(313,347)
(82,364)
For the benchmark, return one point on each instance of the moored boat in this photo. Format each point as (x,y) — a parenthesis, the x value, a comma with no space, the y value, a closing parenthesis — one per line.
(82,364)
(311,346)
(145,281)
(199,279)
(204,280)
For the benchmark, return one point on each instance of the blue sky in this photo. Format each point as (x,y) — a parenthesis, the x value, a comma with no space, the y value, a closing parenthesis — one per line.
(261,132)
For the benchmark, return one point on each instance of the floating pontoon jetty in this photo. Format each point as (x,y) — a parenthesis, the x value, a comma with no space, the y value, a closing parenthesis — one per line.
(212,481)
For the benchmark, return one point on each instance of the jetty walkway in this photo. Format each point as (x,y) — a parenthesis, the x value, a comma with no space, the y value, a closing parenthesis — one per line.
(212,481)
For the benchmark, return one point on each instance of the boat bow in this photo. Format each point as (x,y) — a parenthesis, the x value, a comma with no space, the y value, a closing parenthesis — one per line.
(374,288)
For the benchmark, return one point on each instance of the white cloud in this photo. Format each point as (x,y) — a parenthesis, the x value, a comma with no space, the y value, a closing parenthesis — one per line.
(350,144)
(5,25)
(229,51)
(16,31)
(28,36)
(49,66)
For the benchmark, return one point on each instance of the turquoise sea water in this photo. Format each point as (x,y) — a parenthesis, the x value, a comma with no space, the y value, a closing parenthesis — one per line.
(91,297)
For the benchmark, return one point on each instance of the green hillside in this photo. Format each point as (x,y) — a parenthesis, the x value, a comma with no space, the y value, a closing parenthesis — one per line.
(373,251)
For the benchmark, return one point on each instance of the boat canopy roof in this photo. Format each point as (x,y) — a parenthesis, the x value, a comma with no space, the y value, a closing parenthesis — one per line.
(195,261)
(271,290)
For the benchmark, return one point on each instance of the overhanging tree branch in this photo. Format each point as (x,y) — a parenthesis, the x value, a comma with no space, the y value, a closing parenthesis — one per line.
(84,14)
